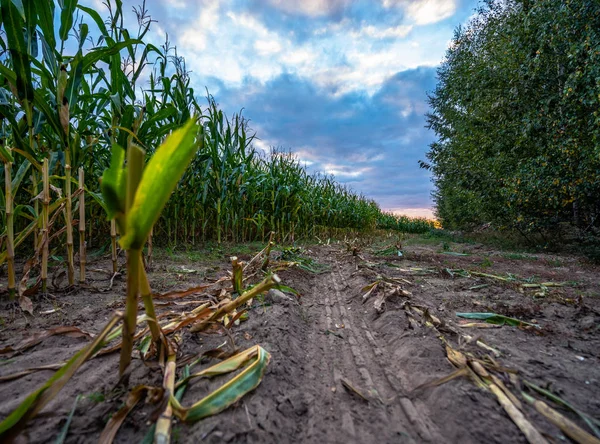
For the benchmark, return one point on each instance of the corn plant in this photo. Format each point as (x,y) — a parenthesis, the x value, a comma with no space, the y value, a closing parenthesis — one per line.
(135,195)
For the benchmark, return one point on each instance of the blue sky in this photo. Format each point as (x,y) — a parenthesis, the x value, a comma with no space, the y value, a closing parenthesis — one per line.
(342,83)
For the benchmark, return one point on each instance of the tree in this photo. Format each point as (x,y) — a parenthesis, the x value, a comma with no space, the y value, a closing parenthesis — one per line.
(516,113)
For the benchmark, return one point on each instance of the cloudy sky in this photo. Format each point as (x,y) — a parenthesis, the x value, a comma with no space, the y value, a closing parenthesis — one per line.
(342,83)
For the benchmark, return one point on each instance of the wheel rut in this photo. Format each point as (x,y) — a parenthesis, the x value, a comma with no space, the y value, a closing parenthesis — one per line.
(355,358)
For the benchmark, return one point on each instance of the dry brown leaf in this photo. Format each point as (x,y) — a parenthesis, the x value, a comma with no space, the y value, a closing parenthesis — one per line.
(112,426)
(348,386)
(29,371)
(38,337)
(568,427)
(26,304)
(478,325)
(182,293)
(530,432)
(455,357)
(463,371)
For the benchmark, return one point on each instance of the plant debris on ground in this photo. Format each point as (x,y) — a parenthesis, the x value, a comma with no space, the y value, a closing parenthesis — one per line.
(342,368)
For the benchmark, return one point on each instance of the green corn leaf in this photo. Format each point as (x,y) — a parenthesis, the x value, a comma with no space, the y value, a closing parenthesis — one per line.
(114,49)
(39,69)
(287,289)
(127,119)
(45,11)
(49,55)
(164,113)
(115,81)
(62,436)
(113,184)
(13,26)
(255,359)
(30,24)
(83,32)
(142,61)
(96,17)
(158,181)
(5,154)
(66,18)
(97,198)
(23,210)
(40,103)
(494,318)
(126,84)
(16,182)
(30,15)
(74,82)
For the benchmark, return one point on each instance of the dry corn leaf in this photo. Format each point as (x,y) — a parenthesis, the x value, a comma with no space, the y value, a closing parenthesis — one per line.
(455,357)
(568,427)
(29,371)
(478,325)
(530,432)
(112,426)
(38,337)
(183,293)
(352,389)
(592,423)
(255,360)
(369,289)
(464,371)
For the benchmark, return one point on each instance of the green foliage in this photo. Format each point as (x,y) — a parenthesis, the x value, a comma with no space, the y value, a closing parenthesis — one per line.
(517,115)
(157,183)
(113,184)
(404,224)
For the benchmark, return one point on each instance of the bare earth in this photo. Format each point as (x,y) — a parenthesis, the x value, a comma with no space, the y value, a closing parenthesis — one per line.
(328,339)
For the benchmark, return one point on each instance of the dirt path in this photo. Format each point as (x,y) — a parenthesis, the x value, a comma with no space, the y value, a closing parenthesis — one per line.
(330,341)
(333,337)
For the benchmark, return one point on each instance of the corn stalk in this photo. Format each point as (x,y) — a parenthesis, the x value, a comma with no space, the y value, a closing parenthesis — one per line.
(82,246)
(44,231)
(10,242)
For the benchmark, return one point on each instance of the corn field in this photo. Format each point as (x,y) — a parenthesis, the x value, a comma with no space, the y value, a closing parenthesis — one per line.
(68,96)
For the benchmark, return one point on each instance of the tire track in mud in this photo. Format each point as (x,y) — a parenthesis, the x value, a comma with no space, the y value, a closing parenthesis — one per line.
(389,416)
(388,385)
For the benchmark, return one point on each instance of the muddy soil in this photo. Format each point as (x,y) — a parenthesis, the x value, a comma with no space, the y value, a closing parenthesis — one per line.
(342,370)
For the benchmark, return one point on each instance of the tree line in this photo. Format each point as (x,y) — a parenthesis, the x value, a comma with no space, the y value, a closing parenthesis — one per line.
(517,116)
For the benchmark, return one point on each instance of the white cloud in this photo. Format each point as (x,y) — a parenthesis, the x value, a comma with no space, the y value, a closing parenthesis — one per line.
(311,8)
(179,4)
(249,22)
(236,46)
(298,57)
(196,36)
(344,171)
(267,47)
(425,12)
(399,31)
(261,145)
